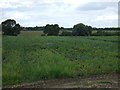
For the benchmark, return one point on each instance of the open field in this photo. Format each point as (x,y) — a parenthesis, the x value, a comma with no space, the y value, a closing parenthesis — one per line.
(31,58)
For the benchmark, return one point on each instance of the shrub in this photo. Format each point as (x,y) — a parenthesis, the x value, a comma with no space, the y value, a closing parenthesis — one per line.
(51,30)
(66,33)
(103,33)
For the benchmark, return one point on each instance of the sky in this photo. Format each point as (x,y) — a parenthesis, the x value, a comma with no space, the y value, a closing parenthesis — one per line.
(66,13)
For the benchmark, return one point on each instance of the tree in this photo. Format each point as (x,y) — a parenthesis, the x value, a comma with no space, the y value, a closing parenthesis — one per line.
(9,27)
(81,30)
(51,29)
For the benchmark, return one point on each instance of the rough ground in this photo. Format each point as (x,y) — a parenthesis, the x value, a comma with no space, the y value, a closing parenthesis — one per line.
(96,81)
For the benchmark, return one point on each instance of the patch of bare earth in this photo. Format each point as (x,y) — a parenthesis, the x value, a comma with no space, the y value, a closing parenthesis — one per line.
(95,81)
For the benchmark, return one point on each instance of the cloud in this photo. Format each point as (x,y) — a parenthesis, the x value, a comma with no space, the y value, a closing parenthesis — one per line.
(106,17)
(64,12)
(91,6)
(19,16)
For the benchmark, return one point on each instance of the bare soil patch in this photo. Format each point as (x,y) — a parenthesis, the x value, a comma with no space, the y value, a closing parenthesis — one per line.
(95,81)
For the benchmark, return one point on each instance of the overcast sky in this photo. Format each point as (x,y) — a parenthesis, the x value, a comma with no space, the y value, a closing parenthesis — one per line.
(66,13)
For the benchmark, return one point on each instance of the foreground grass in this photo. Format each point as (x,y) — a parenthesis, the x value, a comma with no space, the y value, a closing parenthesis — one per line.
(32,58)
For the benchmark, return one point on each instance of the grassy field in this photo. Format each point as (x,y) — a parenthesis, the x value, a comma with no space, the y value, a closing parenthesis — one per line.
(31,58)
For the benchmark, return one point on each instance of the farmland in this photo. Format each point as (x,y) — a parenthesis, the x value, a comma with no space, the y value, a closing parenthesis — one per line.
(31,58)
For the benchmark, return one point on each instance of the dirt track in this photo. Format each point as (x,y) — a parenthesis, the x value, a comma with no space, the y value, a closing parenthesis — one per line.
(96,81)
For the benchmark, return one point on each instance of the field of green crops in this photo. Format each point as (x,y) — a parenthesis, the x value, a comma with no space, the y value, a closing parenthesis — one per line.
(31,58)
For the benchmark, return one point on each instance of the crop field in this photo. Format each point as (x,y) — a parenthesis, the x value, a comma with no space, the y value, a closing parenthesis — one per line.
(31,58)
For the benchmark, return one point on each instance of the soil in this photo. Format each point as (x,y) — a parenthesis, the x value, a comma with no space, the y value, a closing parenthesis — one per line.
(95,81)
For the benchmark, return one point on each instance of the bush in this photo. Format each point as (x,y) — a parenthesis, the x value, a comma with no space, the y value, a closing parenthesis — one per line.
(66,33)
(51,30)
(100,33)
(43,35)
(103,33)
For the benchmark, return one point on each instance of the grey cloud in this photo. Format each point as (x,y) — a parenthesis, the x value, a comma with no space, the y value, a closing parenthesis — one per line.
(25,8)
(96,6)
(40,13)
(38,6)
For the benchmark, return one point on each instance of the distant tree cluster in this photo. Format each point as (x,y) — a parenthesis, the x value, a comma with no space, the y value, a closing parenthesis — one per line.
(82,30)
(78,30)
(66,33)
(33,28)
(105,33)
(51,30)
(105,29)
(9,27)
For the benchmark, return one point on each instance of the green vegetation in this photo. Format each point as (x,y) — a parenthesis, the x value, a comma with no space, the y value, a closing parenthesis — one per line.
(66,33)
(30,58)
(82,30)
(69,33)
(51,30)
(105,82)
(106,33)
(9,27)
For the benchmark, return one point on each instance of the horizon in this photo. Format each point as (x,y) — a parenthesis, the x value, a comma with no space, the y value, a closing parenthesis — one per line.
(61,26)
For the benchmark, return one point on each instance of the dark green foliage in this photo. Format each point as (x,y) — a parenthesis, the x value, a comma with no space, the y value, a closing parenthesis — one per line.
(104,33)
(43,34)
(101,33)
(51,30)
(34,28)
(66,33)
(9,27)
(107,29)
(82,30)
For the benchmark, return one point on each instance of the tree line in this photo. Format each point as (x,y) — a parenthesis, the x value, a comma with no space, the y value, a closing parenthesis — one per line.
(10,27)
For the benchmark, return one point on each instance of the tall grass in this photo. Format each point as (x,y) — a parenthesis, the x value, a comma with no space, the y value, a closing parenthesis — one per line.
(33,58)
